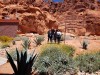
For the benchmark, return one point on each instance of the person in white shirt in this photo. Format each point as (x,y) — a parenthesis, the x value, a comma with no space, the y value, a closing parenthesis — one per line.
(58,36)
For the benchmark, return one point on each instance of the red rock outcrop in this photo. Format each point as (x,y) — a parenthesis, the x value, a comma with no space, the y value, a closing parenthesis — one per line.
(39,15)
(75,15)
(93,25)
(32,19)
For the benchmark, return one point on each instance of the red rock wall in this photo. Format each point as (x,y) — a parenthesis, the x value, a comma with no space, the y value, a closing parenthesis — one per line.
(8,29)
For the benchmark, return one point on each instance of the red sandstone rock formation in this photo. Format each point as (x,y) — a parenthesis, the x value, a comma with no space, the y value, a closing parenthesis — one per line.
(32,19)
(38,15)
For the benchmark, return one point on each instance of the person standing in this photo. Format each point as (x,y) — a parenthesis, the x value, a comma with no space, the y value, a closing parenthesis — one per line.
(55,36)
(52,31)
(58,36)
(50,36)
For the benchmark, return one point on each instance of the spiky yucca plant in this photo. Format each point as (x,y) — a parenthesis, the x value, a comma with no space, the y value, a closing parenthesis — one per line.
(38,40)
(85,44)
(26,44)
(24,64)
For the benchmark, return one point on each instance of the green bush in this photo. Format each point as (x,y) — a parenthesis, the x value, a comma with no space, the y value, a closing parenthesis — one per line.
(17,38)
(24,38)
(54,61)
(39,39)
(67,49)
(5,39)
(62,38)
(88,63)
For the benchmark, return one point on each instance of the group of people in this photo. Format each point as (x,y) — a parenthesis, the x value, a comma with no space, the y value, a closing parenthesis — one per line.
(54,34)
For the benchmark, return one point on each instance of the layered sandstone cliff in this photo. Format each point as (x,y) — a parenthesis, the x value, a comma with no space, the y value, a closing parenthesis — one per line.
(76,16)
(32,19)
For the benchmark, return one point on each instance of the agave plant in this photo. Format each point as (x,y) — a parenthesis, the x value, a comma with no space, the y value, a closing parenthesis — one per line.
(38,40)
(24,64)
(26,44)
(85,44)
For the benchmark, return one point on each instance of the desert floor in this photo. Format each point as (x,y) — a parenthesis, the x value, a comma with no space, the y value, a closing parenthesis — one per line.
(93,46)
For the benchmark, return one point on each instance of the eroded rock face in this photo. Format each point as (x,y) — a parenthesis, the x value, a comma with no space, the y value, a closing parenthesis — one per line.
(93,25)
(76,13)
(32,19)
(38,22)
(38,16)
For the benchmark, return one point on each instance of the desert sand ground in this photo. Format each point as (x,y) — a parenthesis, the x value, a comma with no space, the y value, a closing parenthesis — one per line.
(94,45)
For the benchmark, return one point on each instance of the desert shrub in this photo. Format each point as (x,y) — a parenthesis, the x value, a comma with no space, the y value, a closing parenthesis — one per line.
(88,63)
(67,49)
(17,38)
(85,44)
(54,61)
(62,38)
(26,44)
(24,38)
(39,39)
(4,45)
(5,39)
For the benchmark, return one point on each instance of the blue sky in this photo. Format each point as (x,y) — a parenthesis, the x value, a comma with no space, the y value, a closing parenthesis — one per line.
(62,0)
(57,0)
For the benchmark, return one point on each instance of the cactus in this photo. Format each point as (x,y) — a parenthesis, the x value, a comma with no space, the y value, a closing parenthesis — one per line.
(24,65)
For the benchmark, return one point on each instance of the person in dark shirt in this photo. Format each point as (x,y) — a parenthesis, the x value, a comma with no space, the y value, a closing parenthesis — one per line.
(55,35)
(50,36)
(52,31)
